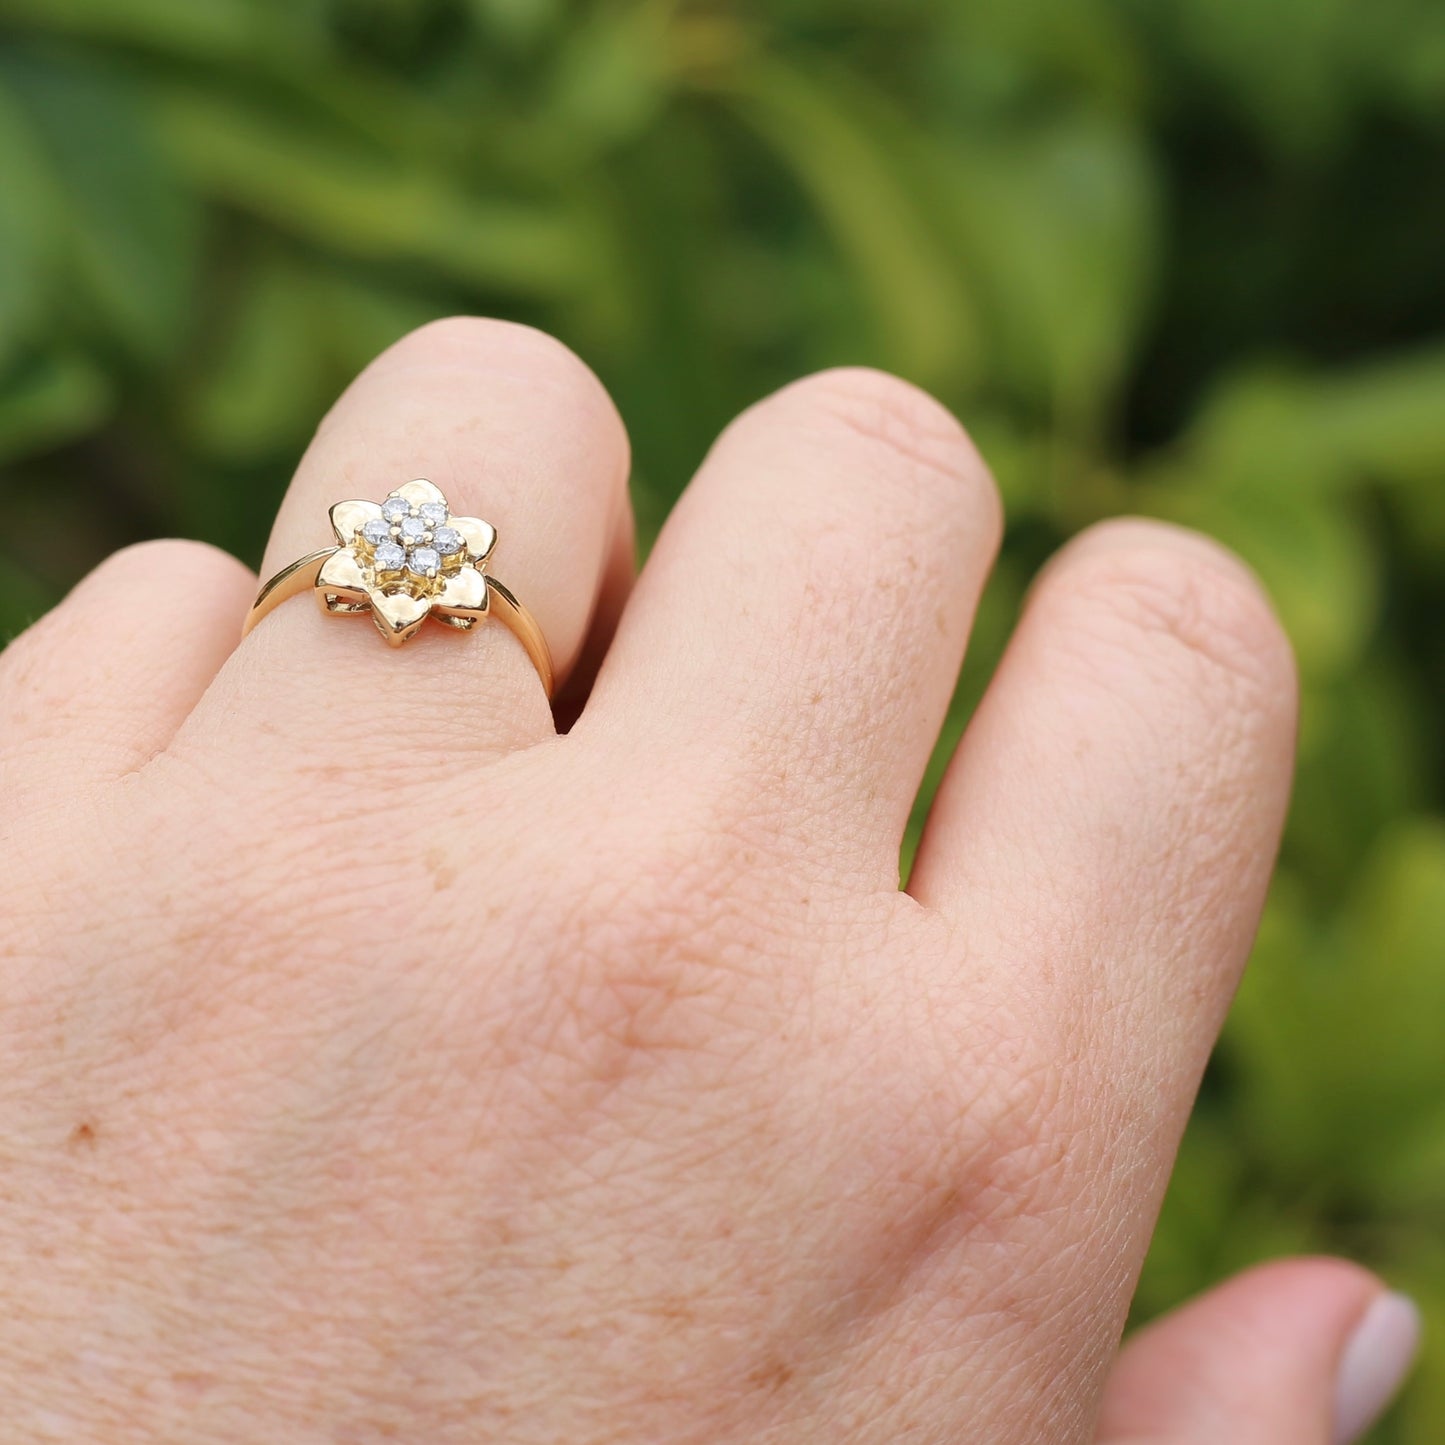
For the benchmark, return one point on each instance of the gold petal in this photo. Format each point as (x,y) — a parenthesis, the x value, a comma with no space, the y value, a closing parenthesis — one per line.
(420,492)
(397,614)
(348,518)
(342,572)
(464,594)
(480,536)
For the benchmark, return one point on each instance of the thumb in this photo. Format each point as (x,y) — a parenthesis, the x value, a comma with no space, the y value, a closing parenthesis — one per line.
(1301,1352)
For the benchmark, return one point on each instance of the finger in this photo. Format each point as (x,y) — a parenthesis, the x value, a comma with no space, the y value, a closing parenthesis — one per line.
(619,574)
(100,685)
(1118,798)
(1103,841)
(797,632)
(1305,1352)
(514,429)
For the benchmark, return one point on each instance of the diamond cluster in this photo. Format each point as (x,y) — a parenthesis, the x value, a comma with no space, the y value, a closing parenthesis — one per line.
(414,540)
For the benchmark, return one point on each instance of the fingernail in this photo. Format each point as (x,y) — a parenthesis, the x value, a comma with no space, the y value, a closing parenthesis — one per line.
(1374,1364)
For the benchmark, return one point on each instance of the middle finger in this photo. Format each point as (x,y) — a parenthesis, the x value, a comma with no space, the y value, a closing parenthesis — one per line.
(797,632)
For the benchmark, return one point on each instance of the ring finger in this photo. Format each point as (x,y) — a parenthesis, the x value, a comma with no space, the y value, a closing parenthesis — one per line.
(513,429)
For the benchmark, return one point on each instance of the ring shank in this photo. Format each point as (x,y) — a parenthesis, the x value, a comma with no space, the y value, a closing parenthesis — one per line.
(289,582)
(503,602)
(301,576)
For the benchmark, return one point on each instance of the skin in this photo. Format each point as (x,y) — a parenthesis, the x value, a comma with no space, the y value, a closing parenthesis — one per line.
(382,1065)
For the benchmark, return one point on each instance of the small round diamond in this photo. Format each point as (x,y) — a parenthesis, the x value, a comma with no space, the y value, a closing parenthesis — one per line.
(376,531)
(424,562)
(395,508)
(413,530)
(448,541)
(434,513)
(390,557)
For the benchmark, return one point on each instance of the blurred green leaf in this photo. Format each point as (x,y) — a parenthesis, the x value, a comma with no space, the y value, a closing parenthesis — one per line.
(915,291)
(1336,1031)
(1057,225)
(1298,69)
(48,400)
(522,22)
(996,54)
(1289,431)
(611,77)
(263,383)
(131,229)
(1418,1267)
(1385,418)
(1363,763)
(27,229)
(22,601)
(347,196)
(187,27)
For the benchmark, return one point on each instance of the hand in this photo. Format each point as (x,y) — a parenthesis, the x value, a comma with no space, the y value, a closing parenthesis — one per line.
(381,1065)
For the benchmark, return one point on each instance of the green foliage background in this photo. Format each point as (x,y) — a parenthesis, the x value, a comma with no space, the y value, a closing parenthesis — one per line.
(1181,258)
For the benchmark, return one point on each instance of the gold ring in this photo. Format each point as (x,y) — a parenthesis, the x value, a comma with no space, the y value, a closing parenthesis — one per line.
(403,560)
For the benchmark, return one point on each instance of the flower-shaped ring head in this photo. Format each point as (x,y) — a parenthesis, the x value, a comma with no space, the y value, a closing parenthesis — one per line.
(406,559)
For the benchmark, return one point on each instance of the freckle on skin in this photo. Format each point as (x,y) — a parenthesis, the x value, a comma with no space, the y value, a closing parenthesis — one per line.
(443,873)
(772,1376)
(83,1135)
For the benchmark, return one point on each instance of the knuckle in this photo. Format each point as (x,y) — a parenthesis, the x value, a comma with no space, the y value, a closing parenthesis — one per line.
(1006,1148)
(480,342)
(992,1112)
(1136,581)
(179,559)
(185,565)
(886,409)
(892,416)
(519,360)
(1015,1156)
(661,946)
(902,433)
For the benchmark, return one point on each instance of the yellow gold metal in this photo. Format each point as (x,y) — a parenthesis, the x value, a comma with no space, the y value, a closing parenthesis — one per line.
(524,628)
(288,582)
(403,560)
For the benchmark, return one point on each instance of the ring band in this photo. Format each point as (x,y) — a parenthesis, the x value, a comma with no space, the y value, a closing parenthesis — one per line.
(403,560)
